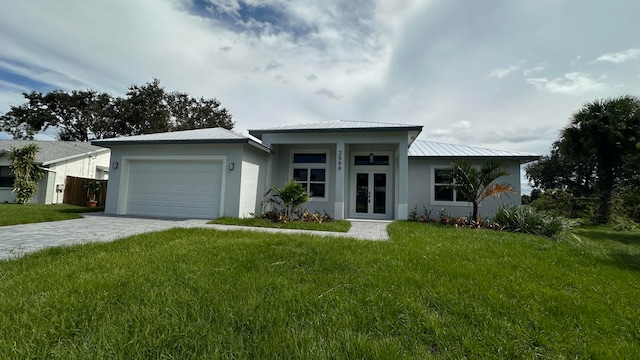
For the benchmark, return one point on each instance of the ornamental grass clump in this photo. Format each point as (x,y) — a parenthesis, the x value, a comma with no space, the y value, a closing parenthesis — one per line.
(528,220)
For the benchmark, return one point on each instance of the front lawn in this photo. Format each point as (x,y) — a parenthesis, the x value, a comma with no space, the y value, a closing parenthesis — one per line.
(14,214)
(429,292)
(334,225)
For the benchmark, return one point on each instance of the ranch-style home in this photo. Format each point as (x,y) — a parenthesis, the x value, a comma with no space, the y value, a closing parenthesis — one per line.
(359,170)
(58,159)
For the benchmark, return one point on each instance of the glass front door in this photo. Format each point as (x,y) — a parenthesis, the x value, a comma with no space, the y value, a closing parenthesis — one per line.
(371,193)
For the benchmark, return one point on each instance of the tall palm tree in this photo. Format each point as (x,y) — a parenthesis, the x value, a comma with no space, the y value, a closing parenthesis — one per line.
(476,184)
(606,132)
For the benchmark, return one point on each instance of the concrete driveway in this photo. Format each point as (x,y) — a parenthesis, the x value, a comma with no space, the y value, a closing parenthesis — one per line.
(18,240)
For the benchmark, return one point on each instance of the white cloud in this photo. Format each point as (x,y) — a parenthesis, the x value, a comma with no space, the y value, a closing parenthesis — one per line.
(572,84)
(503,72)
(461,125)
(229,7)
(534,69)
(620,57)
(453,129)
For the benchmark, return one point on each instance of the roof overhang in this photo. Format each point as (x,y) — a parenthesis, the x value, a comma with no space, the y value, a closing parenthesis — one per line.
(85,154)
(412,131)
(523,159)
(258,133)
(124,142)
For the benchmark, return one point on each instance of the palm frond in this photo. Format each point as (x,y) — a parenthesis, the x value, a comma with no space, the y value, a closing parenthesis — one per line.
(496,189)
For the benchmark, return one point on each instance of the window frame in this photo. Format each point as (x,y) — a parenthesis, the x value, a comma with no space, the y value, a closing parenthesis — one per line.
(10,176)
(434,184)
(309,167)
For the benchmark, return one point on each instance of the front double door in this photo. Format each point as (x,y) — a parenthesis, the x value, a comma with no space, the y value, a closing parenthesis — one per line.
(372,194)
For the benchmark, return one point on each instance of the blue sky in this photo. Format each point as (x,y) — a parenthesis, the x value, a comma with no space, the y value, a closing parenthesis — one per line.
(497,74)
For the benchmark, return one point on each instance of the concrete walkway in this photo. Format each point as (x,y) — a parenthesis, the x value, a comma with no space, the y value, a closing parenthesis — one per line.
(18,240)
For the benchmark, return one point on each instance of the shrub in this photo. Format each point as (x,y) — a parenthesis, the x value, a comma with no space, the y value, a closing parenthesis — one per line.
(631,202)
(289,199)
(425,216)
(316,217)
(413,214)
(529,220)
(563,203)
(621,218)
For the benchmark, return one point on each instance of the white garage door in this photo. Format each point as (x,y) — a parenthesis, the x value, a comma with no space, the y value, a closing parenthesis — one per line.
(175,188)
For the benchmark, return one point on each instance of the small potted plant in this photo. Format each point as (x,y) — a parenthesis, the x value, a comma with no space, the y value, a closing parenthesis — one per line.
(92,191)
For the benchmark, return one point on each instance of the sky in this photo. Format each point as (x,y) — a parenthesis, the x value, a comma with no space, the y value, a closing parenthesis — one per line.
(500,74)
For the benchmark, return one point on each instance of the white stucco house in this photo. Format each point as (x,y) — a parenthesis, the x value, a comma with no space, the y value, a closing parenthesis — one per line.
(352,169)
(58,159)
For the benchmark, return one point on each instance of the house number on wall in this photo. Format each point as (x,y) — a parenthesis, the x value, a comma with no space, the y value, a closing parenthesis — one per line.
(339,160)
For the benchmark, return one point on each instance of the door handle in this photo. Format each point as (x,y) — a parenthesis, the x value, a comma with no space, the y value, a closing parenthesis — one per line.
(369,196)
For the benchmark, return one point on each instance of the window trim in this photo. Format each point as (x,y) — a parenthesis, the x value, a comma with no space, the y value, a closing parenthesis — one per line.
(309,166)
(432,189)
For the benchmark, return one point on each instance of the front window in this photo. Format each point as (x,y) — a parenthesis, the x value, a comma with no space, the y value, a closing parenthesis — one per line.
(310,170)
(6,177)
(442,190)
(371,160)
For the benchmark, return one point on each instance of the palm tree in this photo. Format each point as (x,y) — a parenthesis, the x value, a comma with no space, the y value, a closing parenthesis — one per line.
(606,133)
(476,184)
(290,198)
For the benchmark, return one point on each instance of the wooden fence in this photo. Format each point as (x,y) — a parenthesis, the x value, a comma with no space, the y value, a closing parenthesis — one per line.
(75,192)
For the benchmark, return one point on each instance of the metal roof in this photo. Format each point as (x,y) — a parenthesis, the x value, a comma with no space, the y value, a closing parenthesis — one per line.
(421,148)
(336,126)
(198,136)
(53,151)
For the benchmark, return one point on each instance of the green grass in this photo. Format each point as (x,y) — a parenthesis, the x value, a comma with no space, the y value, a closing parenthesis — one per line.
(335,225)
(430,292)
(14,214)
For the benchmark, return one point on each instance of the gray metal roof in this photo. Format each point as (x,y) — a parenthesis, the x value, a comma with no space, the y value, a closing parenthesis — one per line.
(53,151)
(198,136)
(421,148)
(336,126)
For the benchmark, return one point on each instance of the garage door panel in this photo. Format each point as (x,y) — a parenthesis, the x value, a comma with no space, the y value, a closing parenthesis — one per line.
(174,188)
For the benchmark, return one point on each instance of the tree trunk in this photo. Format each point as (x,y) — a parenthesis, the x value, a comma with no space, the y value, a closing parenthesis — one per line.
(603,207)
(475,211)
(606,183)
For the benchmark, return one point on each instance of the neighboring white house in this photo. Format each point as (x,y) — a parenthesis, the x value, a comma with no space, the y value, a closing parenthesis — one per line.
(353,170)
(59,159)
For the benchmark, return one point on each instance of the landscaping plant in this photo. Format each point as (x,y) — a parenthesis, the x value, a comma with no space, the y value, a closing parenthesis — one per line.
(476,184)
(25,171)
(528,220)
(288,200)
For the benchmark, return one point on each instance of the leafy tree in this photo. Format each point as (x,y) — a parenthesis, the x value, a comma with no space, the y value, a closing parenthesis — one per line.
(77,115)
(87,115)
(476,184)
(605,133)
(535,194)
(556,171)
(191,113)
(596,156)
(25,171)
